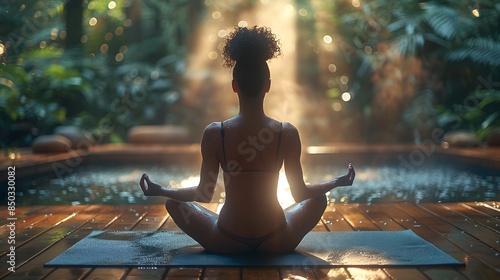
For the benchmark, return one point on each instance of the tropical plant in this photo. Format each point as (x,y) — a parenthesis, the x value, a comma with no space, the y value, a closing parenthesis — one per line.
(478,114)
(37,84)
(438,33)
(100,83)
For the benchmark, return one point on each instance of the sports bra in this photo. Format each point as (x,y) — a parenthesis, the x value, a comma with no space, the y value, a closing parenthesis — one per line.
(277,166)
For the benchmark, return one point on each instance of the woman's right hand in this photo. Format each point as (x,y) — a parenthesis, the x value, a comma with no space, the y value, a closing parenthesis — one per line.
(346,179)
(150,188)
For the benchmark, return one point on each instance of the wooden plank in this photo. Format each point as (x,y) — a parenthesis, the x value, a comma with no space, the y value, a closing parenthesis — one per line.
(444,273)
(260,273)
(155,218)
(146,273)
(468,236)
(54,233)
(379,218)
(486,235)
(486,209)
(35,266)
(367,273)
(409,273)
(336,273)
(334,221)
(37,225)
(355,218)
(23,212)
(301,272)
(481,215)
(449,239)
(184,273)
(229,273)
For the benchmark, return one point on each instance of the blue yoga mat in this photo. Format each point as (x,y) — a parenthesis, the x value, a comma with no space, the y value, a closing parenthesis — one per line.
(174,248)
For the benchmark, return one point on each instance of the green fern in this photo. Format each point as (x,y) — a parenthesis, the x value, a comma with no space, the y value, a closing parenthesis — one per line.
(447,22)
(480,50)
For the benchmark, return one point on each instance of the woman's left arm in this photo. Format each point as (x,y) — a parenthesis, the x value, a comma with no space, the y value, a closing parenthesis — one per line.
(208,174)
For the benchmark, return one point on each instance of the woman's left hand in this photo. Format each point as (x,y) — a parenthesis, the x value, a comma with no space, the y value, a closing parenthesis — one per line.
(346,179)
(150,188)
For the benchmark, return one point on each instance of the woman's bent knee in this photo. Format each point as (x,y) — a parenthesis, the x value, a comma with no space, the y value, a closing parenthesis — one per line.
(171,203)
(322,200)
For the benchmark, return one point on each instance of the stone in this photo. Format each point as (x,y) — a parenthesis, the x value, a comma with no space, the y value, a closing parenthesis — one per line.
(460,139)
(51,144)
(79,139)
(158,134)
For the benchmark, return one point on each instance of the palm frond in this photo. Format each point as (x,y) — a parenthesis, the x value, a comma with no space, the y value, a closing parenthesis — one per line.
(447,23)
(480,50)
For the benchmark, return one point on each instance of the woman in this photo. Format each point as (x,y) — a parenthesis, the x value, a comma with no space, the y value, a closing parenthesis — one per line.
(250,148)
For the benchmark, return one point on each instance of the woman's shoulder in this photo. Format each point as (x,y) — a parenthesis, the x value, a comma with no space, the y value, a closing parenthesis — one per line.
(212,128)
(289,128)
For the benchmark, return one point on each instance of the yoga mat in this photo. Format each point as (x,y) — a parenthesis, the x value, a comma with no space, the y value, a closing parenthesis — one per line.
(174,248)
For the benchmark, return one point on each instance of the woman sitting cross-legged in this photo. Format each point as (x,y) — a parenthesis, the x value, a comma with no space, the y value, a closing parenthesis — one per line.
(251,149)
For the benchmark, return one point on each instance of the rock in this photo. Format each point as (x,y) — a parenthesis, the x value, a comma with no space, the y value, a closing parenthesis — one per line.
(51,144)
(79,139)
(493,137)
(460,139)
(158,134)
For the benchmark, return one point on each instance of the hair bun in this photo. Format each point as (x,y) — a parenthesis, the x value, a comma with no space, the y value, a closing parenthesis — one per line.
(257,44)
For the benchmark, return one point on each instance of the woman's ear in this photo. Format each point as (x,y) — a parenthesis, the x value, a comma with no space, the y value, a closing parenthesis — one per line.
(235,86)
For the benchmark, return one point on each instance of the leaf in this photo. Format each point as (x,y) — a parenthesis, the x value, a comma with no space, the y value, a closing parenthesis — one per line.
(480,50)
(13,75)
(447,22)
(490,119)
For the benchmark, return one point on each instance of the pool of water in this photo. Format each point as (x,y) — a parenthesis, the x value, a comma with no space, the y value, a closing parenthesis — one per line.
(118,184)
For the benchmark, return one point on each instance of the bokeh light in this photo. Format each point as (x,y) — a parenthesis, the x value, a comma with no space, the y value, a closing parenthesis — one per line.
(243,23)
(327,39)
(346,96)
(332,68)
(111,5)
(92,21)
(216,15)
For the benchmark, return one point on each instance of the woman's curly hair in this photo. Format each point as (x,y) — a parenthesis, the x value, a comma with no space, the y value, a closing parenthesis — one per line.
(247,45)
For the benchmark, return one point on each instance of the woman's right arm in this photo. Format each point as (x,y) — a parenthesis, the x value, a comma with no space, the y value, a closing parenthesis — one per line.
(293,169)
(208,174)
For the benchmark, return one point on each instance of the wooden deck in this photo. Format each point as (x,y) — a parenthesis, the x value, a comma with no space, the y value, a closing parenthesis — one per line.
(467,231)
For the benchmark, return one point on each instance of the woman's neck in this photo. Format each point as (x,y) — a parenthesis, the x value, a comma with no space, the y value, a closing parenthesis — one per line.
(251,106)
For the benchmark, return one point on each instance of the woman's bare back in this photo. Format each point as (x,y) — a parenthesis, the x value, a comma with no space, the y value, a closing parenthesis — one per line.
(251,158)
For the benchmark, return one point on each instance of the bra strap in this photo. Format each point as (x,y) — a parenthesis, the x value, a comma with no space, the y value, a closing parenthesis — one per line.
(278,148)
(222,134)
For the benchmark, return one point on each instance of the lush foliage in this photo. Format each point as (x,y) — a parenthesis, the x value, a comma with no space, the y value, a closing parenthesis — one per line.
(457,44)
(122,72)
